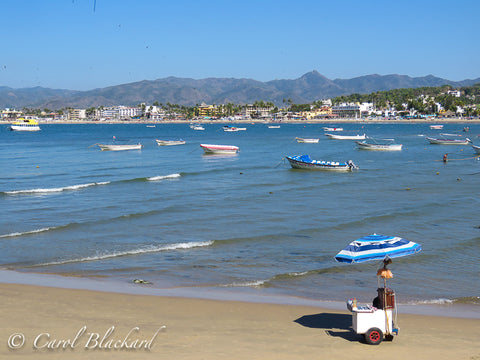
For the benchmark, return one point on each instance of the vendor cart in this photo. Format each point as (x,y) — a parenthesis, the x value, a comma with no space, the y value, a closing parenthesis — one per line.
(375,323)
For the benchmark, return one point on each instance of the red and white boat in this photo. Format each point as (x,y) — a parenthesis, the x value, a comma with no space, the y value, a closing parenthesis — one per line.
(219,149)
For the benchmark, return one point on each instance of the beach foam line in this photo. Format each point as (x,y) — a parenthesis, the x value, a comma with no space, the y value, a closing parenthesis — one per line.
(55,190)
(26,232)
(164,177)
(140,251)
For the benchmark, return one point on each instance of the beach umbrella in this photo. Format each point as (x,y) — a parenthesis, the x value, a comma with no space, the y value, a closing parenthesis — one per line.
(377,247)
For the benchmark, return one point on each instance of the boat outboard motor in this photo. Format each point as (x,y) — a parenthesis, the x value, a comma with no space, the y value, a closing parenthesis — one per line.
(351,165)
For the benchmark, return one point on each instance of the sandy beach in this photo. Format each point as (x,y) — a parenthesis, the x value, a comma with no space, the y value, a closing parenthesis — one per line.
(53,323)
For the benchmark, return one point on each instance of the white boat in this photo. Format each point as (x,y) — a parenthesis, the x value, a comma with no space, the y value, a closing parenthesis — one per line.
(233,128)
(307,140)
(274,126)
(119,147)
(374,145)
(436,127)
(197,127)
(346,137)
(169,142)
(476,148)
(305,162)
(219,149)
(25,125)
(446,141)
(332,129)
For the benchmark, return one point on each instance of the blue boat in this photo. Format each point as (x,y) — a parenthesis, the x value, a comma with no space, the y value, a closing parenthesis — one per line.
(305,162)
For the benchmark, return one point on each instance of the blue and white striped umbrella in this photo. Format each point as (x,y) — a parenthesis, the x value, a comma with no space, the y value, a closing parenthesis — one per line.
(377,247)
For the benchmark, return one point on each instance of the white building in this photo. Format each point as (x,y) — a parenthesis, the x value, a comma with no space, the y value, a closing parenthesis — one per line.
(455,93)
(346,110)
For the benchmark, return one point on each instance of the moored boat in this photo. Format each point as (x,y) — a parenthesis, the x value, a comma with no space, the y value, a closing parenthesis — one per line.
(307,140)
(384,146)
(436,127)
(25,125)
(119,147)
(446,141)
(169,142)
(332,128)
(233,128)
(219,149)
(476,148)
(197,127)
(305,162)
(346,137)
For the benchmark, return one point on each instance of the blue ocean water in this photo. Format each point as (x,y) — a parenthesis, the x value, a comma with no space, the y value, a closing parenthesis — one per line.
(248,222)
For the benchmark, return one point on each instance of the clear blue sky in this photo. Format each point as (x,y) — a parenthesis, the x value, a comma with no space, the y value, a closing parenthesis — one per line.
(87,44)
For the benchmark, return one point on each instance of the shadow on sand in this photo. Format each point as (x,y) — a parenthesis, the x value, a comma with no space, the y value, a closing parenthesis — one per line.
(338,325)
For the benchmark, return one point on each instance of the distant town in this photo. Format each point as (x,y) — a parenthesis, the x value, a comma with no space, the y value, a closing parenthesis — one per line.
(420,103)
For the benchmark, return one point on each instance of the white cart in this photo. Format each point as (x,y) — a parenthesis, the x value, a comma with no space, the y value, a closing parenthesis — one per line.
(375,323)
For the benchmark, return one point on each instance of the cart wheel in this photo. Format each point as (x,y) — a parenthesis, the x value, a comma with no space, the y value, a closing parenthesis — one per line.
(374,336)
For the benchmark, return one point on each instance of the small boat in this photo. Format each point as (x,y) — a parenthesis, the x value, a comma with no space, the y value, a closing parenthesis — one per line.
(445,141)
(233,128)
(436,127)
(307,140)
(219,149)
(346,137)
(332,129)
(384,145)
(476,148)
(169,142)
(25,125)
(150,126)
(119,147)
(274,126)
(305,162)
(197,127)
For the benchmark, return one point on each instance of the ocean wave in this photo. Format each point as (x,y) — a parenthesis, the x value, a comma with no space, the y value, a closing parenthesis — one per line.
(25,232)
(55,190)
(139,251)
(164,177)
(253,283)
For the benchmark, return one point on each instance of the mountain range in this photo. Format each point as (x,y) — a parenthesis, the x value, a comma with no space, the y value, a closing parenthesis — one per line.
(185,91)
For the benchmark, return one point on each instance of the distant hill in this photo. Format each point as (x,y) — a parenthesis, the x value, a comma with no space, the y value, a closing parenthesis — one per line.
(184,91)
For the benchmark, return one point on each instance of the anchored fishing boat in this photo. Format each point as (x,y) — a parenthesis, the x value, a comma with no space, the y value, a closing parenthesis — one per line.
(476,148)
(346,137)
(307,140)
(119,147)
(332,128)
(380,145)
(233,128)
(219,149)
(448,141)
(305,162)
(169,142)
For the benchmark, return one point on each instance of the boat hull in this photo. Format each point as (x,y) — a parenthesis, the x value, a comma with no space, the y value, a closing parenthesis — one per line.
(170,142)
(219,149)
(346,137)
(304,162)
(434,141)
(379,147)
(307,141)
(476,148)
(24,128)
(104,147)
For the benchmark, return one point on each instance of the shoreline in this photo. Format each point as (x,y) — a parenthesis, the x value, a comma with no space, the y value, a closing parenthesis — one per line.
(455,310)
(77,323)
(256,121)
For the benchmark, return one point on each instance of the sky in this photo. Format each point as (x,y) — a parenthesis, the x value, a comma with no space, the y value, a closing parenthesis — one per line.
(88,44)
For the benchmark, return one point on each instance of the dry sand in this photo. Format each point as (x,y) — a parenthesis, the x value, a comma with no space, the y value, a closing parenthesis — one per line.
(53,318)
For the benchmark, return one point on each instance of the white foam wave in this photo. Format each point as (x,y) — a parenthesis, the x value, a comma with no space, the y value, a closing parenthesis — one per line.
(157,178)
(55,190)
(255,283)
(25,232)
(435,302)
(144,250)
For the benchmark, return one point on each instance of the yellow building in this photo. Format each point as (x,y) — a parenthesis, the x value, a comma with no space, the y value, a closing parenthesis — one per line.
(207,110)
(324,111)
